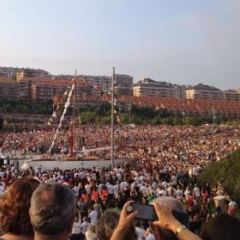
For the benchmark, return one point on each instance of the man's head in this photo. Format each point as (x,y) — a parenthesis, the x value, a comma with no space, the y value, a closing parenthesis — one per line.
(52,209)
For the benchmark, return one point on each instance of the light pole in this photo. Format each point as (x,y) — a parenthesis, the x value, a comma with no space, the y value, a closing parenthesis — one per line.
(112,119)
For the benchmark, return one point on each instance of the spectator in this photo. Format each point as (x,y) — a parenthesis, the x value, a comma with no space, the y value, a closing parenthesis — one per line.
(165,220)
(91,233)
(222,227)
(93,216)
(14,210)
(76,230)
(108,222)
(85,225)
(232,208)
(52,212)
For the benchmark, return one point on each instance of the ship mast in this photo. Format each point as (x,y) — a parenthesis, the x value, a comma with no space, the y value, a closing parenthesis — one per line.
(73,118)
(112,119)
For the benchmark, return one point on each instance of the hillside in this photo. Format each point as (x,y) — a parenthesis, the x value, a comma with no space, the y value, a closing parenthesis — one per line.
(227,171)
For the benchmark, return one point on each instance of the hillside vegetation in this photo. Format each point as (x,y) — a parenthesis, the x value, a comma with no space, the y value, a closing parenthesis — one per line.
(227,171)
(101,114)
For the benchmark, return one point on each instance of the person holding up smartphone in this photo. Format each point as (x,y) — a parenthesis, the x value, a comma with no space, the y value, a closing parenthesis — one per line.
(165,220)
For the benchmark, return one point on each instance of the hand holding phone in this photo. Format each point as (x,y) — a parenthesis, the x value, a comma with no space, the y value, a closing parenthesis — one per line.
(145,212)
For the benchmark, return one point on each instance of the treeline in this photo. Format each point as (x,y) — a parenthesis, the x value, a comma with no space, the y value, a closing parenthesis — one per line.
(101,114)
(16,106)
(145,115)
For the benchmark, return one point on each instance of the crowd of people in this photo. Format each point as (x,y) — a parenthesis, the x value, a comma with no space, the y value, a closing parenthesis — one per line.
(166,161)
(181,144)
(101,194)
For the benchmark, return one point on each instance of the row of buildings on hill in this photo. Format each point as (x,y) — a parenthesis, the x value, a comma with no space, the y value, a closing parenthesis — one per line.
(148,87)
(38,85)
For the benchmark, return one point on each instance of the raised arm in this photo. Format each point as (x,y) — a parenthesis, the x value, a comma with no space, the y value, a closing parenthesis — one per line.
(124,223)
(167,220)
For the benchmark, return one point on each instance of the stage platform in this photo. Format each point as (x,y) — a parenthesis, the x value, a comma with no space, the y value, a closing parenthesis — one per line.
(69,164)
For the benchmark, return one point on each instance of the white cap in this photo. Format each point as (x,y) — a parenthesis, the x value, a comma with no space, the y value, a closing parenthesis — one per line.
(232,204)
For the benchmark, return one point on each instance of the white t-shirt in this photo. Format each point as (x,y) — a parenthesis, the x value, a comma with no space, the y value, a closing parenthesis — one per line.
(93,215)
(162,193)
(124,185)
(144,190)
(76,190)
(88,188)
(110,188)
(76,229)
(140,233)
(196,191)
(84,227)
(1,189)
(179,193)
(150,236)
(116,189)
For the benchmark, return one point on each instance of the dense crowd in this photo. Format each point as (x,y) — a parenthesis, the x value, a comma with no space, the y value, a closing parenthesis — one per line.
(97,190)
(181,144)
(166,161)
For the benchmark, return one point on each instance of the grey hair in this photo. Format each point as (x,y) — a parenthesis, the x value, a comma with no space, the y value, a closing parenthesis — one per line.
(52,210)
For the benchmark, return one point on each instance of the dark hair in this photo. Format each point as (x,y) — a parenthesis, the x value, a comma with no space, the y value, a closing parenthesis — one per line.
(108,222)
(14,207)
(53,208)
(221,227)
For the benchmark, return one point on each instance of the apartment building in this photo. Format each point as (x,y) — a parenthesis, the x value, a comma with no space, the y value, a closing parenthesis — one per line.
(46,89)
(24,90)
(23,73)
(101,84)
(8,72)
(123,84)
(204,92)
(152,88)
(231,95)
(8,89)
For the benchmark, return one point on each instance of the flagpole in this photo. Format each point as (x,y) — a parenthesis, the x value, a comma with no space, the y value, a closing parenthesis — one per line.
(112,119)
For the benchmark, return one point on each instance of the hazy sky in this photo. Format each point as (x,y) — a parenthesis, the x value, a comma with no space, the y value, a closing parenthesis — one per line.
(181,41)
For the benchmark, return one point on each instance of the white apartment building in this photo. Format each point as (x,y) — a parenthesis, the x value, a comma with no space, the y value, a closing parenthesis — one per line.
(203,92)
(151,88)
(231,95)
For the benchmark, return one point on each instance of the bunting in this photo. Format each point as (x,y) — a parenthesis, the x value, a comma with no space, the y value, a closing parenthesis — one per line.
(116,111)
(58,101)
(66,106)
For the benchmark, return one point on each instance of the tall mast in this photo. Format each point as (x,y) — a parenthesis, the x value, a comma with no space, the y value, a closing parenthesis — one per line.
(112,119)
(72,128)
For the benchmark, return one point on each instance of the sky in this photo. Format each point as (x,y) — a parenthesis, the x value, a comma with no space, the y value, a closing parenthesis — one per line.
(180,41)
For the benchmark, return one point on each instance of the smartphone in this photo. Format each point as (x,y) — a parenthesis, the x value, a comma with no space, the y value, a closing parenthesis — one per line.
(145,212)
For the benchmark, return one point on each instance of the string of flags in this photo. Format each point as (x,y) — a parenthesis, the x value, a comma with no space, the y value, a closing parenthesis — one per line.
(66,106)
(116,111)
(58,101)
